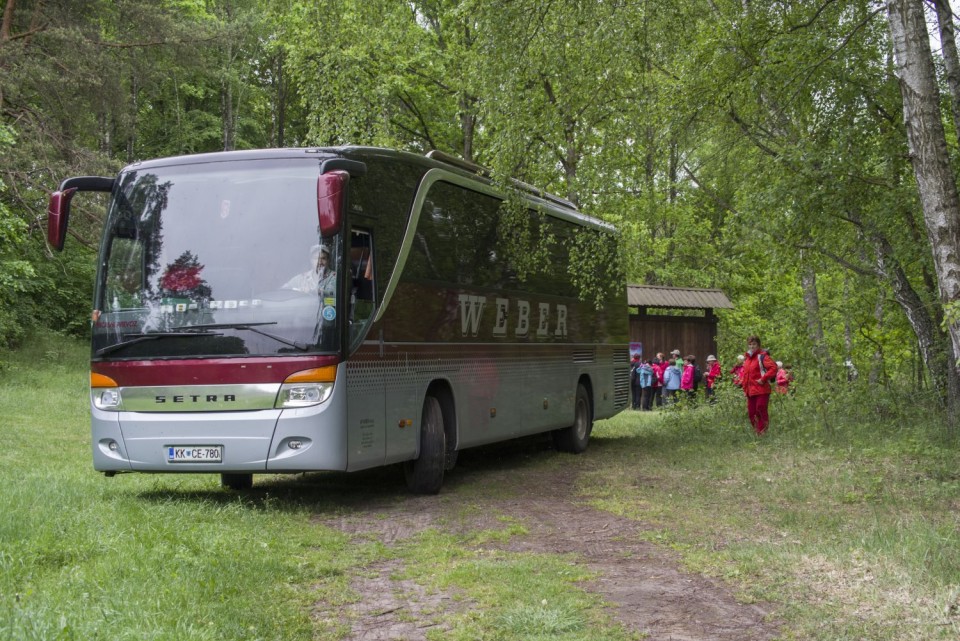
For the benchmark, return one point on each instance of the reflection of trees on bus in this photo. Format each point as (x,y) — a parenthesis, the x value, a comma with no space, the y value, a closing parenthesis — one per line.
(141,201)
(182,279)
(457,240)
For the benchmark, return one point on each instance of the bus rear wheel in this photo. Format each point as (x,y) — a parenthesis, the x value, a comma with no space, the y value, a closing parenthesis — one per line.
(574,439)
(238,482)
(425,474)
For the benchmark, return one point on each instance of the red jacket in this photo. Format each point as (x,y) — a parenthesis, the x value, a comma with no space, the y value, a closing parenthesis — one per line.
(713,375)
(755,384)
(658,369)
(737,373)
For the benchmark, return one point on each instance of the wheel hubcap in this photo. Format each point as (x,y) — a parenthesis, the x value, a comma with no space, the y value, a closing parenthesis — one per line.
(581,419)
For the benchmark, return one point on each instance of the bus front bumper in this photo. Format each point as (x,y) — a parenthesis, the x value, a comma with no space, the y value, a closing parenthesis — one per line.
(259,441)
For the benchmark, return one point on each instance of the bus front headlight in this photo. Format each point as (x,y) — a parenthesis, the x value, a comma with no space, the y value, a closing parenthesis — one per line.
(306,388)
(105,392)
(106,399)
(303,394)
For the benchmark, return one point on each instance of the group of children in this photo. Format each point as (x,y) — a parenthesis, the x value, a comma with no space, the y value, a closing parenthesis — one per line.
(664,380)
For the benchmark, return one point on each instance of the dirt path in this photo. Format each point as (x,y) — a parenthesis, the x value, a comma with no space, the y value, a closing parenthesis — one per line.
(643,583)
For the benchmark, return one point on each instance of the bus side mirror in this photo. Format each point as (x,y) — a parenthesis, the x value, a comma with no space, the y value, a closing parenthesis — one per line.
(58,207)
(335,173)
(58,213)
(331,195)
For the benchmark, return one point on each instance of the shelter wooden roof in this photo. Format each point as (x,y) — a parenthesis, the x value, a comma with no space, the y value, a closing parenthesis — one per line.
(676,297)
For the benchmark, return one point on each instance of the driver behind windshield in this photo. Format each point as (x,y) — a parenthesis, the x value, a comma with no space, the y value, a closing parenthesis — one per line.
(320,278)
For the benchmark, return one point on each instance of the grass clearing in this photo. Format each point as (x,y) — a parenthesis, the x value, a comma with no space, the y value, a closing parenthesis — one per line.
(178,557)
(513,595)
(854,528)
(83,557)
(847,516)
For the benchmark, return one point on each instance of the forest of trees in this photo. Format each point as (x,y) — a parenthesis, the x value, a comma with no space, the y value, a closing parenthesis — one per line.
(800,155)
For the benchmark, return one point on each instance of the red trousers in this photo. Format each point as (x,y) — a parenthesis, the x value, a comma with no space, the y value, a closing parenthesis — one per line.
(757,411)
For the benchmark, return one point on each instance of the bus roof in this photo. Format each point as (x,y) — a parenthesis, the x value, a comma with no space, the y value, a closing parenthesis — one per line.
(433,159)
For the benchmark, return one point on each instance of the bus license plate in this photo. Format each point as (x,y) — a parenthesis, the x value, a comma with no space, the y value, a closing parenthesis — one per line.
(194,453)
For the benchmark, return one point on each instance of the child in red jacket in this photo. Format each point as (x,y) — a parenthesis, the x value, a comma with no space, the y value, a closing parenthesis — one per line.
(712,376)
(737,371)
(784,378)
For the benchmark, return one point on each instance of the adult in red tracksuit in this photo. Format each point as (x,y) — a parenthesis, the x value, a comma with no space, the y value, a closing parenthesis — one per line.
(758,370)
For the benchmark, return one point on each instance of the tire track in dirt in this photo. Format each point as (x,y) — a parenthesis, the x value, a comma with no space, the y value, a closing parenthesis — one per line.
(644,585)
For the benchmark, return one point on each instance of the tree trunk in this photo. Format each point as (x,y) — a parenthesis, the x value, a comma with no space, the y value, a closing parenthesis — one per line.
(226,106)
(106,139)
(877,366)
(7,20)
(931,342)
(279,138)
(811,301)
(571,160)
(847,327)
(134,111)
(468,121)
(226,90)
(951,62)
(913,64)
(673,170)
(925,319)
(569,154)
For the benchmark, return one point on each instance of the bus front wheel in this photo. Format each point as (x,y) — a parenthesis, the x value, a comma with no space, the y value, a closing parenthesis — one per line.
(575,438)
(425,474)
(237,482)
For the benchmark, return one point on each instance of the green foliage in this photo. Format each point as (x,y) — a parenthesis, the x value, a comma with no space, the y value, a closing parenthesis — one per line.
(768,147)
(378,72)
(16,274)
(525,237)
(594,266)
(951,315)
(63,294)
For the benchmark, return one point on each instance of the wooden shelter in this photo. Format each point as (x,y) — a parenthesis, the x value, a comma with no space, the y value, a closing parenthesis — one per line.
(666,318)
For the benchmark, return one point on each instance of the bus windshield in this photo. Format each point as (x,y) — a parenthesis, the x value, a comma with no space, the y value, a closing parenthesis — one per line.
(216,259)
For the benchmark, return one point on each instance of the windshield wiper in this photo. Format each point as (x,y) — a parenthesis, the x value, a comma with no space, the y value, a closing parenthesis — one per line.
(251,327)
(149,336)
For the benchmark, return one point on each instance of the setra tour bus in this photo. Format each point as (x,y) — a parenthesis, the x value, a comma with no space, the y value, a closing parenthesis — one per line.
(295,310)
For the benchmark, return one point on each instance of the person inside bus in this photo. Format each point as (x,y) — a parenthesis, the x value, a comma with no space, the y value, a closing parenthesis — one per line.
(320,278)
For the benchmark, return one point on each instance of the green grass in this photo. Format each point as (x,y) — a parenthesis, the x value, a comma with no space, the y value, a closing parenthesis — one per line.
(513,596)
(846,518)
(852,527)
(177,557)
(148,557)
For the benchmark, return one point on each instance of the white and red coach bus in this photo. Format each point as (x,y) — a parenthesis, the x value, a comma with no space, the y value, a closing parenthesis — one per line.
(292,310)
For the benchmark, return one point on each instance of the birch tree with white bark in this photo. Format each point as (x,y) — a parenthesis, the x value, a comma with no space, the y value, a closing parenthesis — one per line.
(929,155)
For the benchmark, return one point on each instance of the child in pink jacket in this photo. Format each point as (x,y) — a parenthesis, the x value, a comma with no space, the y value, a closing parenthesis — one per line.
(686,379)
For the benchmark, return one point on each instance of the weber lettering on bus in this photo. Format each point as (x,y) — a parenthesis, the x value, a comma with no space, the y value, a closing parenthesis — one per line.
(523,318)
(500,324)
(471,313)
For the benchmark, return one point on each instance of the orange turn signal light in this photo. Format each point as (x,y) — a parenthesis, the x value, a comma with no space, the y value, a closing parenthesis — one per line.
(99,380)
(327,374)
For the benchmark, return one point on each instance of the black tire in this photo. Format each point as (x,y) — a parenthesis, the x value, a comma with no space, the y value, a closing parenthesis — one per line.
(238,482)
(575,438)
(425,474)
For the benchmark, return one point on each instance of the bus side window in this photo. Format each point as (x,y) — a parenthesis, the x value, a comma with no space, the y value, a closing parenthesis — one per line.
(124,279)
(362,282)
